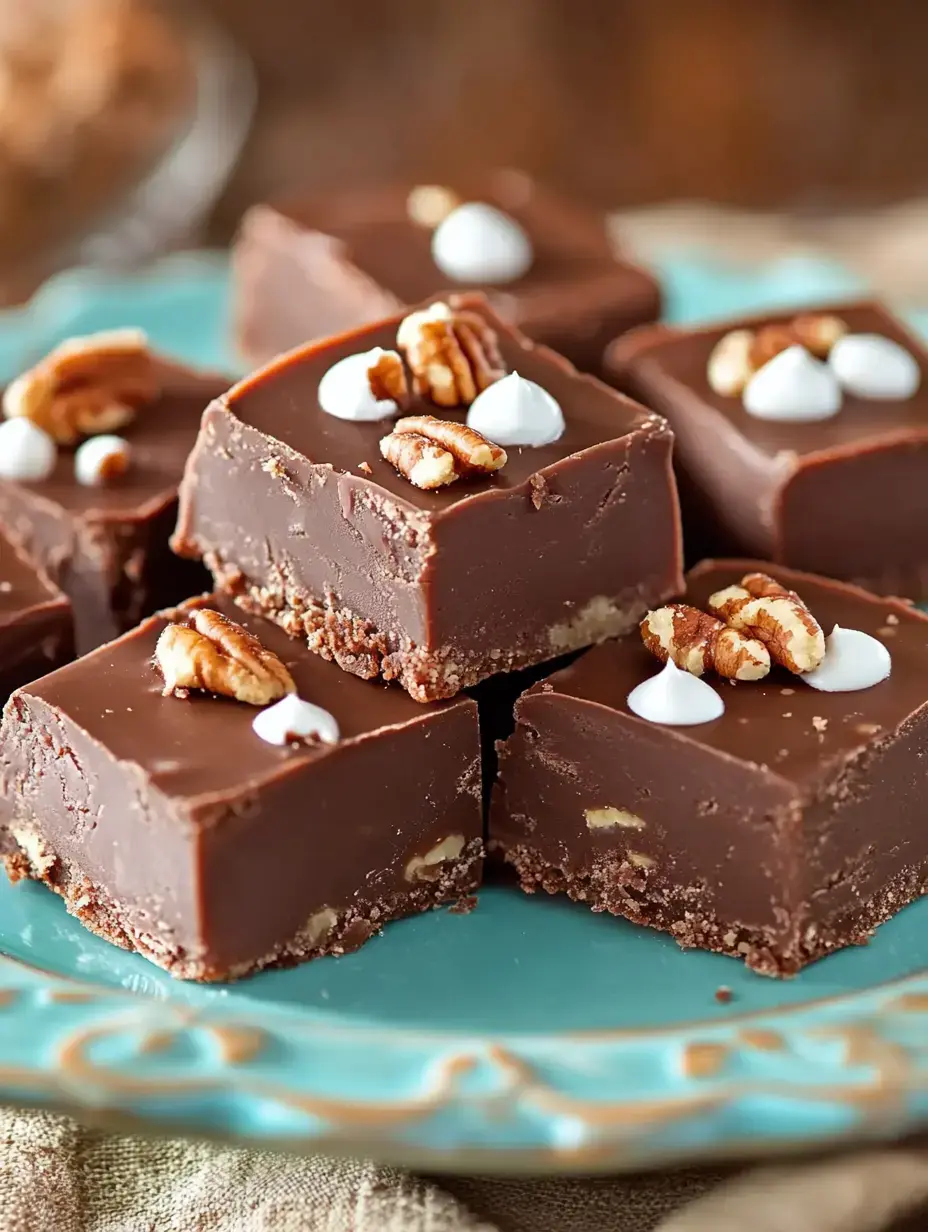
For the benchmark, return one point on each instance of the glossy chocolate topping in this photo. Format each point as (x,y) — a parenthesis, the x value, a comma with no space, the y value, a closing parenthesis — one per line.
(204,746)
(796,732)
(281,401)
(311,268)
(160,437)
(107,547)
(22,586)
(845,497)
(571,245)
(675,362)
(36,629)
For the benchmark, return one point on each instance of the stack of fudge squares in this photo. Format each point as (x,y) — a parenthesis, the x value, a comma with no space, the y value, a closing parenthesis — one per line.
(445,622)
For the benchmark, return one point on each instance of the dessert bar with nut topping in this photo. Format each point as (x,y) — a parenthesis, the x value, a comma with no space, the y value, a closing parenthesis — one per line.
(498,510)
(207,792)
(36,627)
(761,796)
(801,438)
(306,269)
(93,443)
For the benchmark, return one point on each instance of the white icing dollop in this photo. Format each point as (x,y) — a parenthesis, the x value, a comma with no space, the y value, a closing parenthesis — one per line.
(293,719)
(795,386)
(871,366)
(676,698)
(478,243)
(515,411)
(853,660)
(345,390)
(101,459)
(27,453)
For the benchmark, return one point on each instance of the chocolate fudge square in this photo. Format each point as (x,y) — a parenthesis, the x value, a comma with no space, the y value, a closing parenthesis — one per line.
(169,827)
(845,496)
(36,627)
(106,545)
(567,544)
(790,827)
(310,268)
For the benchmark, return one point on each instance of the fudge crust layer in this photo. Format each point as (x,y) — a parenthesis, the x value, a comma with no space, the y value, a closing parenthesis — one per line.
(566,545)
(788,827)
(326,931)
(846,497)
(169,826)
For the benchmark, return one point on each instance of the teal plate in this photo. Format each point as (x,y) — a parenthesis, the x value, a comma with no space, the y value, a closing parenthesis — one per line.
(527,1035)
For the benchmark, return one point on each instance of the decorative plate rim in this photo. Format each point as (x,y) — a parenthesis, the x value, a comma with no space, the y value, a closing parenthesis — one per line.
(847,1067)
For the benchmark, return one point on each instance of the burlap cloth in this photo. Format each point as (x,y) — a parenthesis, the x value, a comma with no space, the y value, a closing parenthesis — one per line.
(58,1177)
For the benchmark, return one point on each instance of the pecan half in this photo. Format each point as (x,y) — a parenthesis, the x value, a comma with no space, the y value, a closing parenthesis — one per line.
(471,450)
(740,353)
(452,355)
(698,642)
(775,616)
(86,386)
(432,453)
(212,653)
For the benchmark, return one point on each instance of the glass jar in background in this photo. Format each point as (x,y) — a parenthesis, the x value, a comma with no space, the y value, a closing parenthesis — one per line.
(120,121)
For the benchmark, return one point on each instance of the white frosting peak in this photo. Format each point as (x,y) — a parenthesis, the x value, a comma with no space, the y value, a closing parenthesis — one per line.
(676,698)
(27,453)
(345,390)
(477,243)
(871,366)
(293,719)
(794,385)
(853,660)
(515,411)
(100,459)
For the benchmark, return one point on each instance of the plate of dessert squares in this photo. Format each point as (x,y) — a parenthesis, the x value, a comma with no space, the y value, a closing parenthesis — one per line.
(379,775)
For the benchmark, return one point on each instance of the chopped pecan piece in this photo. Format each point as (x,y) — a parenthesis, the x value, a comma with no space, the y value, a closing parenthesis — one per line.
(212,653)
(432,453)
(697,642)
(775,616)
(387,379)
(742,352)
(471,450)
(86,386)
(452,355)
(419,460)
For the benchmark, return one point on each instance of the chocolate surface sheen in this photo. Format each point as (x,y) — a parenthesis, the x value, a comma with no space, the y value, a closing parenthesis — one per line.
(213,852)
(567,544)
(36,626)
(107,546)
(788,827)
(845,496)
(309,268)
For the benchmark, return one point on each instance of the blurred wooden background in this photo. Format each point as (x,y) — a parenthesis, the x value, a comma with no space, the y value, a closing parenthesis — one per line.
(814,106)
